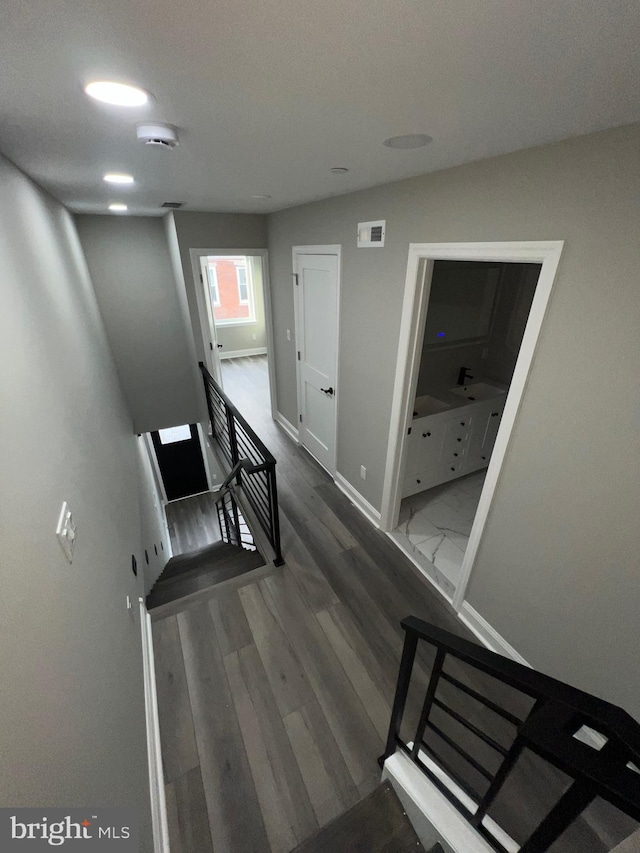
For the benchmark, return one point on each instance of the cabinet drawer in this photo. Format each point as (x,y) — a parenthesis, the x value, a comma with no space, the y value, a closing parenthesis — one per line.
(424,446)
(414,483)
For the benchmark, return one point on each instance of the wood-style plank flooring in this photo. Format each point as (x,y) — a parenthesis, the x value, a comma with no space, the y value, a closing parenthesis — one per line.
(192,523)
(275,690)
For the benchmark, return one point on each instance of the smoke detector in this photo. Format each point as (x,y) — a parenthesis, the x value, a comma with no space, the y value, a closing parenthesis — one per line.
(159,135)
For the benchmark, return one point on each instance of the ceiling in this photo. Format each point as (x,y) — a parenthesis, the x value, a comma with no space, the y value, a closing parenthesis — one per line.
(268,95)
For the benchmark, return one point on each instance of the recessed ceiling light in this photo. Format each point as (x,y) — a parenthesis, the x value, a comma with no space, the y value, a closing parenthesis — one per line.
(260,196)
(409,140)
(119,94)
(118,178)
(338,170)
(118,207)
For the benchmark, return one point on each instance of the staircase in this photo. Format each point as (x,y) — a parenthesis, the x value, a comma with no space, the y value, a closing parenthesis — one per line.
(376,824)
(198,570)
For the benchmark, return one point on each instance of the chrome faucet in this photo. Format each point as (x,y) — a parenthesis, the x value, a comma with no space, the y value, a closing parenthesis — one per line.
(463,375)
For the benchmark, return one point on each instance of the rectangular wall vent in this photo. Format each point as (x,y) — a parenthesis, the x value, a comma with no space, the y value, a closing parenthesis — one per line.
(173,205)
(371,234)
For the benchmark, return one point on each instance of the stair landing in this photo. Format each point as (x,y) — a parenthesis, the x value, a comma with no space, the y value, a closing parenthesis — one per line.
(376,824)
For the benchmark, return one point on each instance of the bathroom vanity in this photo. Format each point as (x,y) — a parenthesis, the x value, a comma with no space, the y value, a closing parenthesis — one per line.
(452,434)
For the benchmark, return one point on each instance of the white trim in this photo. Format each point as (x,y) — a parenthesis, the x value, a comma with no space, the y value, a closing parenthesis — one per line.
(212,356)
(205,457)
(154,750)
(242,353)
(369,511)
(327,249)
(155,466)
(433,816)
(487,634)
(416,298)
(287,426)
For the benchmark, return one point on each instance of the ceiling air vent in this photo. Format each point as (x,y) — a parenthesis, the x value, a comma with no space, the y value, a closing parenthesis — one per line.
(172,205)
(371,233)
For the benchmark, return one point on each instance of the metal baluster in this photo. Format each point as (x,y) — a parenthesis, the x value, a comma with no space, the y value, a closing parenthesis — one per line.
(400,698)
(498,780)
(568,809)
(428,701)
(274,515)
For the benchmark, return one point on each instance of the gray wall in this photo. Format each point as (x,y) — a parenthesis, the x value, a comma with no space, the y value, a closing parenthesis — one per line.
(557,573)
(131,270)
(73,725)
(211,231)
(153,528)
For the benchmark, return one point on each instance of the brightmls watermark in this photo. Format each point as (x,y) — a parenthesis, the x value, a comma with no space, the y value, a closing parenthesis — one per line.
(100,830)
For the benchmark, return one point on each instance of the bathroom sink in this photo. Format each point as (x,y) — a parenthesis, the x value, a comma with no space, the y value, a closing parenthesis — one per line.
(427,405)
(478,391)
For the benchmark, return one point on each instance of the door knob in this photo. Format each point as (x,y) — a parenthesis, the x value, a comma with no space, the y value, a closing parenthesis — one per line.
(327,391)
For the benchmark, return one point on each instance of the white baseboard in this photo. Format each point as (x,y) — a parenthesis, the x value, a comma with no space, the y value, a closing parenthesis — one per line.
(154,751)
(287,426)
(369,511)
(487,634)
(242,353)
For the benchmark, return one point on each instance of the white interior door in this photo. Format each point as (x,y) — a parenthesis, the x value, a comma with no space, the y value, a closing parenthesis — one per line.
(317,343)
(209,333)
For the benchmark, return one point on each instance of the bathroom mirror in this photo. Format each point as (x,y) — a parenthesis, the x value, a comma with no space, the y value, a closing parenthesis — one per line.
(461,302)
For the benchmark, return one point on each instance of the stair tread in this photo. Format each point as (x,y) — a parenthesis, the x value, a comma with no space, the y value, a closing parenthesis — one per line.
(377,824)
(190,559)
(202,577)
(239,556)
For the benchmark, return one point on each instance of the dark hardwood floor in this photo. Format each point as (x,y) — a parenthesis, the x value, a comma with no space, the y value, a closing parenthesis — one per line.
(193,523)
(275,689)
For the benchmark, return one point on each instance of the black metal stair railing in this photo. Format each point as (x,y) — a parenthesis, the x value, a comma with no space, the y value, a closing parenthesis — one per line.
(557,712)
(252,465)
(234,530)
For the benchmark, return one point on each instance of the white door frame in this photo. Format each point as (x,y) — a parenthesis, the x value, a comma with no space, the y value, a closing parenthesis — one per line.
(196,254)
(414,311)
(296,251)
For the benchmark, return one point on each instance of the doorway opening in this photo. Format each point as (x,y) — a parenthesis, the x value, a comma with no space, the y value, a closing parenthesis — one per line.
(471,319)
(235,320)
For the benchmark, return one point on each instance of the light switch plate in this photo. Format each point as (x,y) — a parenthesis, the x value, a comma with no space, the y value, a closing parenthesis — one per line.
(66,531)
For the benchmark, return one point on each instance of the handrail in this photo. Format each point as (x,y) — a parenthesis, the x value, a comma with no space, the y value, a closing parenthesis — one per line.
(251,464)
(242,464)
(558,712)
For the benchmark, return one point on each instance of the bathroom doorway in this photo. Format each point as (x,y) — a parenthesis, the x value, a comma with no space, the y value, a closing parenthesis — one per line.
(471,319)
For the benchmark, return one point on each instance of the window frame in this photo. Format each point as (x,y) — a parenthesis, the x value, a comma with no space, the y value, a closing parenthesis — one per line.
(214,290)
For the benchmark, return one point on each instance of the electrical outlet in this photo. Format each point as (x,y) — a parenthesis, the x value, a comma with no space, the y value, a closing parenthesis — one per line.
(255,337)
(363,472)
(66,531)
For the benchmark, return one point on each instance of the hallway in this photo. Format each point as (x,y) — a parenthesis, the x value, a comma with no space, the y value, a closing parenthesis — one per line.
(275,690)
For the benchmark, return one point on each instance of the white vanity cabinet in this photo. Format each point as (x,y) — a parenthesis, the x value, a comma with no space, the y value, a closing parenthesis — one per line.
(449,444)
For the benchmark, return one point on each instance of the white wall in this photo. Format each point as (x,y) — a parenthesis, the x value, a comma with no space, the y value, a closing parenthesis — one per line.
(557,572)
(72,726)
(132,273)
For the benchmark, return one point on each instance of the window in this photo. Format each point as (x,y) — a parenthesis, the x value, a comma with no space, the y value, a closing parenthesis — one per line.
(213,284)
(243,287)
(231,287)
(173,434)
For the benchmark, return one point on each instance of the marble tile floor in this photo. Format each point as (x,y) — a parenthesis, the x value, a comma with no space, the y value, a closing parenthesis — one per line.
(434,527)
